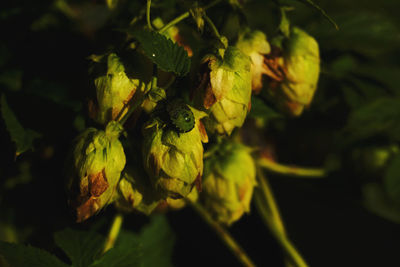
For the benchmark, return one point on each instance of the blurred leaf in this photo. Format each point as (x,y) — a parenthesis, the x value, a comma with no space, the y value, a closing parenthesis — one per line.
(259,109)
(364,32)
(158,241)
(380,117)
(168,55)
(125,253)
(11,79)
(81,247)
(376,201)
(319,9)
(23,138)
(27,256)
(392,179)
(24,176)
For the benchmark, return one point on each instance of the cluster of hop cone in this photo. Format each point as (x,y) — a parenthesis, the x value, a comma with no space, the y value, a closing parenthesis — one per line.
(149,150)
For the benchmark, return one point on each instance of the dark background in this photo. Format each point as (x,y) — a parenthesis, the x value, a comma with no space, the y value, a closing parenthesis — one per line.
(325,218)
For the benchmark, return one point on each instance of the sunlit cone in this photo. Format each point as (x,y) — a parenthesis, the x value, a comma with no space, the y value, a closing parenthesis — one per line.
(300,63)
(255,45)
(114,90)
(98,159)
(174,160)
(229,180)
(225,90)
(176,204)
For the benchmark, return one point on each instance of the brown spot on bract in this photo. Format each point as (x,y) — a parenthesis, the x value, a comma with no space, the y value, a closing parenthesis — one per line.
(198,183)
(203,132)
(87,209)
(98,183)
(209,97)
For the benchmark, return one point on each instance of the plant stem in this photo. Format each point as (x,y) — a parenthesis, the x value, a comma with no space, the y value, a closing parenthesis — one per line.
(184,16)
(212,26)
(224,235)
(275,167)
(268,209)
(148,14)
(114,231)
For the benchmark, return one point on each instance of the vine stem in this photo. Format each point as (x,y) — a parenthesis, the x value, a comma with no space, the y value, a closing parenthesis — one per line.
(213,28)
(269,211)
(148,7)
(275,167)
(229,241)
(113,233)
(184,16)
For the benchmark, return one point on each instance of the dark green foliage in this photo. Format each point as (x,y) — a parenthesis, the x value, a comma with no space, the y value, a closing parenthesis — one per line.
(168,55)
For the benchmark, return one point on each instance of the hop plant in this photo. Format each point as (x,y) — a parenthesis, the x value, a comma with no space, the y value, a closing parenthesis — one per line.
(229,181)
(300,65)
(173,159)
(226,90)
(98,159)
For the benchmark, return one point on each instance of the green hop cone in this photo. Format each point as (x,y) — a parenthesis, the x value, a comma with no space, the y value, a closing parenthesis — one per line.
(114,90)
(98,159)
(227,91)
(255,45)
(136,193)
(301,65)
(174,160)
(229,180)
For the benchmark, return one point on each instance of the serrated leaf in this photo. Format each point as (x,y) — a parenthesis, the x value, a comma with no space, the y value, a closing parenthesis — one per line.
(392,179)
(23,138)
(81,247)
(319,9)
(27,256)
(125,253)
(168,55)
(381,117)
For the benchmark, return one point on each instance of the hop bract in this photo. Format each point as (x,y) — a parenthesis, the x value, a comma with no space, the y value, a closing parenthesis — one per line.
(174,160)
(228,183)
(255,45)
(136,193)
(301,65)
(114,90)
(227,90)
(99,159)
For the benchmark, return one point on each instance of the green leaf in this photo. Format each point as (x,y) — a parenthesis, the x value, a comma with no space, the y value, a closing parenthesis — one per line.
(259,109)
(378,118)
(125,253)
(158,241)
(319,9)
(168,55)
(82,247)
(376,201)
(392,179)
(27,256)
(23,138)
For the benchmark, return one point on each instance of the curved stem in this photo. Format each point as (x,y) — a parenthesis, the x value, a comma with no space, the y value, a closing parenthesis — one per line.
(275,167)
(114,231)
(184,16)
(224,235)
(148,14)
(212,26)
(268,209)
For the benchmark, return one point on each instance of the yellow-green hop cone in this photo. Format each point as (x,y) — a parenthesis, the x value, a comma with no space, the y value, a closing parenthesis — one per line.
(255,45)
(135,193)
(173,160)
(114,90)
(228,182)
(301,64)
(98,161)
(177,204)
(228,91)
